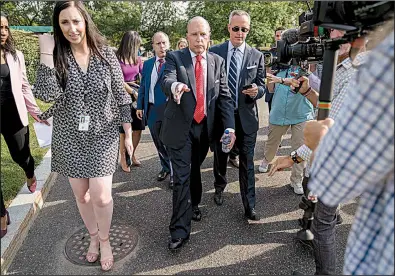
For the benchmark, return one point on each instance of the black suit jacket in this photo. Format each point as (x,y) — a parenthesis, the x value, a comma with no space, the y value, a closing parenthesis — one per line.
(252,71)
(178,118)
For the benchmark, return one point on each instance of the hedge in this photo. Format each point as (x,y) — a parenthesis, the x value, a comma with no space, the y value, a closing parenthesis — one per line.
(27,43)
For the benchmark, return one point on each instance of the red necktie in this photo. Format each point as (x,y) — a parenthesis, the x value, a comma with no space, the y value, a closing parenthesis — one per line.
(199,110)
(161,61)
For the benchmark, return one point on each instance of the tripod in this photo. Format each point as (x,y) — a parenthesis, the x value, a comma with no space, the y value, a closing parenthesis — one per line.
(307,203)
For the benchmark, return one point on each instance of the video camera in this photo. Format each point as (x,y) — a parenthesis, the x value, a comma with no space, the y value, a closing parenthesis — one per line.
(357,18)
(309,47)
(310,50)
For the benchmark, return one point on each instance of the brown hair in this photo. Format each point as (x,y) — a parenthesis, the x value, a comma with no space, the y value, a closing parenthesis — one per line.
(94,38)
(129,47)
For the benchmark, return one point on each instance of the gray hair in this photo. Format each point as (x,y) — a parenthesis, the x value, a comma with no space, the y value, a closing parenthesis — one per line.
(162,33)
(239,13)
(199,18)
(291,36)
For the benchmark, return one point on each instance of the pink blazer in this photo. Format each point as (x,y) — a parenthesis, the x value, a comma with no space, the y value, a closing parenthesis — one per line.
(23,95)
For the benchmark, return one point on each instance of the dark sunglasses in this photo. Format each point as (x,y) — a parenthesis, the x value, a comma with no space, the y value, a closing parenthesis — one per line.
(236,29)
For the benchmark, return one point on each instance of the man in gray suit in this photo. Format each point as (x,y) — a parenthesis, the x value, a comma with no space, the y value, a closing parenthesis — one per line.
(246,74)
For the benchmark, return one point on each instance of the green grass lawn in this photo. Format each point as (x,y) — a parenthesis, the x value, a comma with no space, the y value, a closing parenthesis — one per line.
(12,176)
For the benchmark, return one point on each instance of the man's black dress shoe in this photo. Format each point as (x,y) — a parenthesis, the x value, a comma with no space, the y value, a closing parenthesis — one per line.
(162,175)
(197,215)
(306,244)
(218,198)
(171,184)
(175,244)
(235,161)
(252,214)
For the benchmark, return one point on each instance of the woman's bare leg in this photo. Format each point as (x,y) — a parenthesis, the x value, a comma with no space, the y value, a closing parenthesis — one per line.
(82,196)
(100,190)
(136,137)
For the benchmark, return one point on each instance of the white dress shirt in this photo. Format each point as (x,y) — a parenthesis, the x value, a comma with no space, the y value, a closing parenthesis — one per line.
(154,80)
(204,65)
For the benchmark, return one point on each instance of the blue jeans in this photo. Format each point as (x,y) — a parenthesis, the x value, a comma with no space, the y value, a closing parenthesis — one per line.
(324,242)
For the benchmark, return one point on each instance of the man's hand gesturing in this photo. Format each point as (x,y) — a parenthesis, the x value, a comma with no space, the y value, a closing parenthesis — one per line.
(178,91)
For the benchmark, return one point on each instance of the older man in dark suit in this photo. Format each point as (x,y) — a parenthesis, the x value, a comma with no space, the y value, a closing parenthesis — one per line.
(246,74)
(151,101)
(196,83)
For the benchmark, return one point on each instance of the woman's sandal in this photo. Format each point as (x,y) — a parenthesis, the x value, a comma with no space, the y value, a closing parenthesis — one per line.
(93,254)
(7,221)
(33,184)
(135,162)
(106,262)
(124,165)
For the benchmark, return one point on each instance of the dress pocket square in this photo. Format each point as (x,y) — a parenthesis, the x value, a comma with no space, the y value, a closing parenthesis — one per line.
(217,81)
(250,67)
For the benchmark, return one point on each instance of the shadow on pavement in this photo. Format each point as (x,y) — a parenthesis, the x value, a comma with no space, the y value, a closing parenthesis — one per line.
(222,243)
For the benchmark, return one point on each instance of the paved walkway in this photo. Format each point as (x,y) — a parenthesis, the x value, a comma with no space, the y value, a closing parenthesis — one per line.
(222,243)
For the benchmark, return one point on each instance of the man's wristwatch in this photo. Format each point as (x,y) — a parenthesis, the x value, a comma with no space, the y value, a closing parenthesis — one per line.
(295,157)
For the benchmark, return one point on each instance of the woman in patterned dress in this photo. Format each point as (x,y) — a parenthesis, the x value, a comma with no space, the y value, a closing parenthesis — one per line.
(83,77)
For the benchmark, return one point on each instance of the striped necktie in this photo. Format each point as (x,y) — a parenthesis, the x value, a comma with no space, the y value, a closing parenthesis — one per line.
(232,77)
(161,61)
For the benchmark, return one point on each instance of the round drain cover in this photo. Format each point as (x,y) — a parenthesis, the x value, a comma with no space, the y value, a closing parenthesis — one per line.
(123,240)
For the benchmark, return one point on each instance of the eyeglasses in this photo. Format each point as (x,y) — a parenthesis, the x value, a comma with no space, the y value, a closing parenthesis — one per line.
(236,29)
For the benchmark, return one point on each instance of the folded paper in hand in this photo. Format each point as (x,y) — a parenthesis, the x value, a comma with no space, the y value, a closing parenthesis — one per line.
(43,133)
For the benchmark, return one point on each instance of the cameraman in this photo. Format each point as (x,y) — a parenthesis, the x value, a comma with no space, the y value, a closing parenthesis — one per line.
(326,217)
(356,157)
(289,110)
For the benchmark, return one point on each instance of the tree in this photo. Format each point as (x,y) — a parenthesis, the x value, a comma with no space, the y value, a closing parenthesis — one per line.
(28,13)
(265,17)
(166,16)
(114,18)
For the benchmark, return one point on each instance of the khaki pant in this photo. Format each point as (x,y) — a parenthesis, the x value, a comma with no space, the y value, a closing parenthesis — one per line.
(274,140)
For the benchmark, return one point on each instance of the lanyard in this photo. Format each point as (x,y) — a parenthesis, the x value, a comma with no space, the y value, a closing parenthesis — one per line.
(85,77)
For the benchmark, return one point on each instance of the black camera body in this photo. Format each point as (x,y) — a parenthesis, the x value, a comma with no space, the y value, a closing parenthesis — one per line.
(356,18)
(270,60)
(308,49)
(311,50)
(269,56)
(306,26)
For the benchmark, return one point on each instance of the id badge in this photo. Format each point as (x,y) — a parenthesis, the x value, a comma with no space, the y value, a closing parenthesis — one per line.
(83,123)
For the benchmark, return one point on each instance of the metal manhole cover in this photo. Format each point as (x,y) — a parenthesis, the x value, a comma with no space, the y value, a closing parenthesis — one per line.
(123,240)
